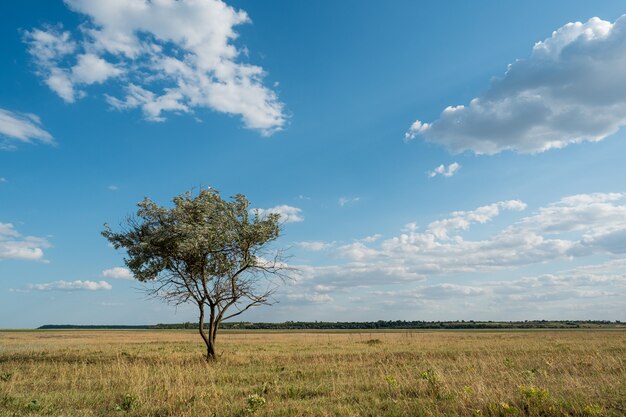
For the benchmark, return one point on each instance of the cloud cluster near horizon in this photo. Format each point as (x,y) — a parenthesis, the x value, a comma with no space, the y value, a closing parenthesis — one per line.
(574,227)
(161,56)
(571,89)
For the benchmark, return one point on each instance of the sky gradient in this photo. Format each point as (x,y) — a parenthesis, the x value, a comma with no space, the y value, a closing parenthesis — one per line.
(432,160)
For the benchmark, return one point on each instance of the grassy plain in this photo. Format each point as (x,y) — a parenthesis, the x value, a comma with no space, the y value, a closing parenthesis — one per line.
(163,373)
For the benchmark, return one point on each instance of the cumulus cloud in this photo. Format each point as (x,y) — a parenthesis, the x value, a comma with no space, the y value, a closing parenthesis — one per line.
(461,220)
(573,227)
(15,246)
(165,56)
(288,214)
(448,171)
(117,272)
(571,89)
(77,285)
(21,127)
(371,238)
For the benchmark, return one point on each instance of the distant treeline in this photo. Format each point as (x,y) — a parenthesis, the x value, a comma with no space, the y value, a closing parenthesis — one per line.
(372,325)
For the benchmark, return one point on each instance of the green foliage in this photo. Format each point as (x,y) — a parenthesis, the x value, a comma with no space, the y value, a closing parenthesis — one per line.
(592,410)
(34,405)
(430,376)
(255,402)
(534,394)
(5,376)
(392,382)
(127,404)
(201,235)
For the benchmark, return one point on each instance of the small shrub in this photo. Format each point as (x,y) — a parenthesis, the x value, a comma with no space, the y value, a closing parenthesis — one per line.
(373,342)
(430,376)
(534,394)
(255,402)
(508,362)
(34,405)
(6,376)
(592,410)
(127,404)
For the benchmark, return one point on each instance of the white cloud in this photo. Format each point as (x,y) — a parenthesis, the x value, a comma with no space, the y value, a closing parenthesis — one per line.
(288,214)
(21,127)
(347,200)
(371,239)
(91,69)
(447,290)
(574,227)
(571,89)
(113,187)
(461,220)
(311,298)
(15,246)
(167,56)
(2,179)
(356,251)
(77,285)
(117,272)
(315,246)
(442,170)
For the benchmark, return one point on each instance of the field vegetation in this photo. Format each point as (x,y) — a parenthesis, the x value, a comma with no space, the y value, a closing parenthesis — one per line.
(417,373)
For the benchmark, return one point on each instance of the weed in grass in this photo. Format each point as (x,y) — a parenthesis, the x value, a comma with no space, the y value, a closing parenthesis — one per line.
(34,405)
(508,362)
(534,394)
(127,404)
(255,402)
(592,410)
(392,382)
(430,376)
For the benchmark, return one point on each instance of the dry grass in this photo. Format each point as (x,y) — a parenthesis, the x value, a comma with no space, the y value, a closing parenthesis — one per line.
(163,373)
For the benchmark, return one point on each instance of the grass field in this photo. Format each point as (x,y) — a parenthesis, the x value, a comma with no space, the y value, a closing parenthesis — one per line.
(163,373)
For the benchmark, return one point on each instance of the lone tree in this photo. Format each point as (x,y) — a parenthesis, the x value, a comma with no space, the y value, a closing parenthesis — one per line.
(204,250)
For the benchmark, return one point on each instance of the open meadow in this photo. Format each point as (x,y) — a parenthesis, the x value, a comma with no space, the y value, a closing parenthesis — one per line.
(164,373)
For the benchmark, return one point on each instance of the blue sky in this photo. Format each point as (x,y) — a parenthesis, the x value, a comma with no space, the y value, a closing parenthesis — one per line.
(342,116)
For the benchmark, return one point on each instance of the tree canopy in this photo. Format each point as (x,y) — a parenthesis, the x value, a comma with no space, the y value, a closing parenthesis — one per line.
(205,250)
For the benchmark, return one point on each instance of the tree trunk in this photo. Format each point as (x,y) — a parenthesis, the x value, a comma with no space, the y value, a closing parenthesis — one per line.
(209,340)
(210,350)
